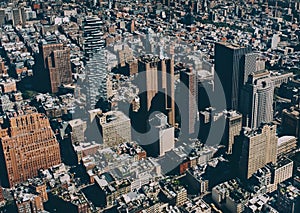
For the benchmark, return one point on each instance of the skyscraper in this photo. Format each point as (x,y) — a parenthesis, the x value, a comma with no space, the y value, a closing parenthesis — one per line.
(2,17)
(188,96)
(158,76)
(232,129)
(97,79)
(54,66)
(249,62)
(27,145)
(257,99)
(162,136)
(92,34)
(231,121)
(291,121)
(230,69)
(259,147)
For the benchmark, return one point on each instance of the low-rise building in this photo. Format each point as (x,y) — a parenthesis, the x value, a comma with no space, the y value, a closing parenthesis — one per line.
(115,128)
(230,195)
(196,205)
(288,198)
(286,145)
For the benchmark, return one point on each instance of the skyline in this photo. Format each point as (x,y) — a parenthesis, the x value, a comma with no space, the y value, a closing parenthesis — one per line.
(150,106)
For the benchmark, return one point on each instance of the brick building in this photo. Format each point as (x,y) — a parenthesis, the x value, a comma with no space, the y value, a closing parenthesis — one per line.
(54,66)
(27,145)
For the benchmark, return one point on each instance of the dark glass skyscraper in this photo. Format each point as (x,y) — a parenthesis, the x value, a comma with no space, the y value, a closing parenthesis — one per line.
(229,65)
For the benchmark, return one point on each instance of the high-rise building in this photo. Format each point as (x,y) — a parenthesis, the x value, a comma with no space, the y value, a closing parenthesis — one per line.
(28,144)
(291,121)
(188,97)
(2,17)
(233,122)
(249,62)
(54,66)
(257,99)
(158,76)
(230,70)
(115,128)
(259,147)
(93,35)
(128,65)
(162,135)
(97,79)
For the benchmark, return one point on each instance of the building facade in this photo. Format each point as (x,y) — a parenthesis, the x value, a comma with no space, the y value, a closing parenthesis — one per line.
(189,100)
(27,145)
(115,128)
(230,70)
(259,148)
(257,100)
(93,41)
(54,66)
(291,121)
(158,76)
(233,128)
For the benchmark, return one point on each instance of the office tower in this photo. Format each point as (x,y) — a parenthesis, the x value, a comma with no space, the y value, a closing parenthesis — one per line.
(233,128)
(161,135)
(291,121)
(28,144)
(230,70)
(188,99)
(98,82)
(158,76)
(259,147)
(2,17)
(54,66)
(260,64)
(115,128)
(92,34)
(257,99)
(249,64)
